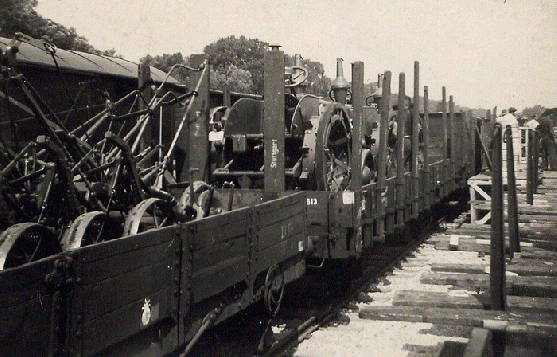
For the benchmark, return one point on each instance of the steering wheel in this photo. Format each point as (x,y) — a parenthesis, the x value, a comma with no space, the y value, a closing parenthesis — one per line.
(298,76)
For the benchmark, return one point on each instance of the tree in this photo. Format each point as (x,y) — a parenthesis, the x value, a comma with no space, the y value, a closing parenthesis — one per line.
(536,110)
(20,16)
(234,79)
(243,53)
(165,63)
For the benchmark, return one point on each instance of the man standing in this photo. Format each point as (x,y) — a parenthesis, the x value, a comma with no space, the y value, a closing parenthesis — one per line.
(532,123)
(508,118)
(547,141)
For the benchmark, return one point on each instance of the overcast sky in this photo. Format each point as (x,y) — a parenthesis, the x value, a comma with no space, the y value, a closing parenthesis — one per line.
(486,52)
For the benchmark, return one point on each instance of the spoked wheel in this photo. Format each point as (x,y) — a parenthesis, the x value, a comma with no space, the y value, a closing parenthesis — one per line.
(90,228)
(26,242)
(151,213)
(332,156)
(273,289)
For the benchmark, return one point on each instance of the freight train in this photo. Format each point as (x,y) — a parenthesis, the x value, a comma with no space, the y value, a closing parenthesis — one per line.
(138,211)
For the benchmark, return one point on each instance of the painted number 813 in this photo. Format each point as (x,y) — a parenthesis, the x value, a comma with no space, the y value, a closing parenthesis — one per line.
(311,201)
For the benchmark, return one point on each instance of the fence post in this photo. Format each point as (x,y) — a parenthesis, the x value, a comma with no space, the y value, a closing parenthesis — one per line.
(530,177)
(536,159)
(497,247)
(511,194)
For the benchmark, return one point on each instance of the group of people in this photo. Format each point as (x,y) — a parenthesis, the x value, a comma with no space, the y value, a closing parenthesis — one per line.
(544,127)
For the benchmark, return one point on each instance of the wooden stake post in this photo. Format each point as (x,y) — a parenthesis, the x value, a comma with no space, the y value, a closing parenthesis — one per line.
(536,159)
(511,194)
(415,142)
(445,170)
(427,171)
(144,86)
(497,248)
(380,196)
(356,162)
(530,178)
(273,123)
(400,172)
(452,146)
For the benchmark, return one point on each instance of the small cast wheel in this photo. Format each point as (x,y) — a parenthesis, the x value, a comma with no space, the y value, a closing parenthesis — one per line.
(90,228)
(188,206)
(23,243)
(273,289)
(151,213)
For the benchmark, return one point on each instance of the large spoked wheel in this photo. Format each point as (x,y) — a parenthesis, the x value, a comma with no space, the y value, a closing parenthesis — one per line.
(273,289)
(332,156)
(151,213)
(26,242)
(90,228)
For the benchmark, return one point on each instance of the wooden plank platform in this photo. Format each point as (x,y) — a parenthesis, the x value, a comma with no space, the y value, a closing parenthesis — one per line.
(447,283)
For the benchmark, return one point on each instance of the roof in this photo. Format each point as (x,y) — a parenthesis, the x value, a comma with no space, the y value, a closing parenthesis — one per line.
(73,61)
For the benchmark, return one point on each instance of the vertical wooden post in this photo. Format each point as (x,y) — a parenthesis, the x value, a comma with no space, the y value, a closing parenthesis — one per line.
(385,107)
(445,144)
(273,122)
(357,136)
(357,116)
(146,93)
(400,177)
(415,141)
(486,135)
(226,100)
(530,178)
(452,145)
(198,124)
(536,159)
(427,173)
(512,204)
(497,248)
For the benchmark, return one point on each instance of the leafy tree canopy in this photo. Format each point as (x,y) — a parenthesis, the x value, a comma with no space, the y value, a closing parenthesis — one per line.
(244,53)
(20,16)
(233,78)
(165,63)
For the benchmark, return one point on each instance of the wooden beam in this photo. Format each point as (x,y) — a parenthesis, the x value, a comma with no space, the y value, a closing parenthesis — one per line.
(497,259)
(273,123)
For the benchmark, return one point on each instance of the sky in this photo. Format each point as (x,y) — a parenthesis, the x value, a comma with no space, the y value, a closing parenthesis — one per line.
(486,53)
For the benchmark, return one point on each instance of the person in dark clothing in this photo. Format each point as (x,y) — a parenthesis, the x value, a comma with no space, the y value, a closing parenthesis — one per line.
(547,144)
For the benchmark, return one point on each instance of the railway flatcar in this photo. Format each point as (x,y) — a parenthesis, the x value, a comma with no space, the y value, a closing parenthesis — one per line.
(157,283)
(332,152)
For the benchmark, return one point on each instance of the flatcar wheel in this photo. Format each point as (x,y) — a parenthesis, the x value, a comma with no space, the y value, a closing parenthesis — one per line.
(332,156)
(89,228)
(26,242)
(151,213)
(273,289)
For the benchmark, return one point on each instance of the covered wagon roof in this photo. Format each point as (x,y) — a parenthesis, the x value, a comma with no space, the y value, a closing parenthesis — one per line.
(34,53)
